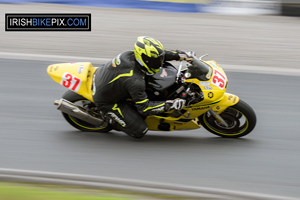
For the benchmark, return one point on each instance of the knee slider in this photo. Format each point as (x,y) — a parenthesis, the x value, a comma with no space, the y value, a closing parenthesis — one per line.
(139,133)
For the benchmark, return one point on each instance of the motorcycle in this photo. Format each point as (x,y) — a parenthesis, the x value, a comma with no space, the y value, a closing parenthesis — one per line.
(202,84)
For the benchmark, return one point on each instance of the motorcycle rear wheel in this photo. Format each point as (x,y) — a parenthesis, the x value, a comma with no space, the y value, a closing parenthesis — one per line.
(77,123)
(241,120)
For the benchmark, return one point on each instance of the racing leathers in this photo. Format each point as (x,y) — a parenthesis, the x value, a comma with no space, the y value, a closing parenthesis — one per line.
(121,81)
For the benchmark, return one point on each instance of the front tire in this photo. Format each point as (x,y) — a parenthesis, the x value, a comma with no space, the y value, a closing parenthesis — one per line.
(241,120)
(77,123)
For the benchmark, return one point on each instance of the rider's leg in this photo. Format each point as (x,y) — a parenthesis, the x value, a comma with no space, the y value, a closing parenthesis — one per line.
(126,119)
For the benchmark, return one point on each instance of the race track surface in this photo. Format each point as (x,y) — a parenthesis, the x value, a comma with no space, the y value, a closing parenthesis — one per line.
(34,136)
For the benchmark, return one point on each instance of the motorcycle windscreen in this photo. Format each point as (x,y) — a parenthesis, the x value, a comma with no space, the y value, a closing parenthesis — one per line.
(199,70)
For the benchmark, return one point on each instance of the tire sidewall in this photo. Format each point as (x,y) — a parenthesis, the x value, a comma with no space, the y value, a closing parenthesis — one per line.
(242,107)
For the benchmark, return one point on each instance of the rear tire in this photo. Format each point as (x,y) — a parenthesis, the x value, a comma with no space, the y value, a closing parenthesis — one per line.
(241,120)
(77,123)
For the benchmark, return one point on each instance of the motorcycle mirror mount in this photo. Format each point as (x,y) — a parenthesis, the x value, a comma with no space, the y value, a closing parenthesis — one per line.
(200,58)
(179,71)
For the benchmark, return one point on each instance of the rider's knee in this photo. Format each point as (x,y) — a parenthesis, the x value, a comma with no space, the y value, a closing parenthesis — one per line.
(138,133)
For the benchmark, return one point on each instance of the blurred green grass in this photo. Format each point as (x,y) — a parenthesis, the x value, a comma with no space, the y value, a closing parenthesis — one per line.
(18,192)
(29,191)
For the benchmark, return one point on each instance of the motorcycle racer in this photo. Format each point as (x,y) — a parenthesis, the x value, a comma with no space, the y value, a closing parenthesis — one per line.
(123,78)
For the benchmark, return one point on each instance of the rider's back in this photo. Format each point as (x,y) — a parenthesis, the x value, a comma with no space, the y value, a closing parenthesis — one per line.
(116,78)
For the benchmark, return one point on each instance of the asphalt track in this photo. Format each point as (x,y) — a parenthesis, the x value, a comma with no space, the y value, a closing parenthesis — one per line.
(34,136)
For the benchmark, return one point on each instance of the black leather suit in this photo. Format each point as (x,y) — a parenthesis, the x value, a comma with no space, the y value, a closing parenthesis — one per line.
(121,80)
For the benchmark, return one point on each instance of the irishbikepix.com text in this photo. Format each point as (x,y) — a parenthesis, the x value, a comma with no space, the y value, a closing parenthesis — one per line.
(48,22)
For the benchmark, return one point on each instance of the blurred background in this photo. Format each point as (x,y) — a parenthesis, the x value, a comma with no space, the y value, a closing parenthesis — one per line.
(233,31)
(247,37)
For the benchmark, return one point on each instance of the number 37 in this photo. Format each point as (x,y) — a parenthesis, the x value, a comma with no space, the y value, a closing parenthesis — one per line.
(219,79)
(70,81)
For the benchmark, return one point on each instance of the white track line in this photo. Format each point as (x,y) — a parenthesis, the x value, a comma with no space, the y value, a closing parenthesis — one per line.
(227,67)
(133,185)
(27,56)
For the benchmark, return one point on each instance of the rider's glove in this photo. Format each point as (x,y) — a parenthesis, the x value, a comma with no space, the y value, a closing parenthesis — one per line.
(190,54)
(176,104)
(187,55)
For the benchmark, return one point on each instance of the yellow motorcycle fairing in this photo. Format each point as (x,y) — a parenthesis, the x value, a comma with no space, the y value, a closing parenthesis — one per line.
(215,98)
(192,122)
(74,76)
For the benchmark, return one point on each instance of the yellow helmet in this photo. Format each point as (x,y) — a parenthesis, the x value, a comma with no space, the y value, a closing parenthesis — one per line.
(149,53)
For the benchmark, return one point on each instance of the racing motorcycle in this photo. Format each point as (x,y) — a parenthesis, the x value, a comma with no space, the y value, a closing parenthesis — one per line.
(201,83)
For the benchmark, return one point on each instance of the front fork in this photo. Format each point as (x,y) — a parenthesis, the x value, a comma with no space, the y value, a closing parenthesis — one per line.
(218,117)
(227,101)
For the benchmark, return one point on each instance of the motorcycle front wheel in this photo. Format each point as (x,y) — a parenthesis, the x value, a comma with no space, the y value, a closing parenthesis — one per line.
(77,123)
(240,118)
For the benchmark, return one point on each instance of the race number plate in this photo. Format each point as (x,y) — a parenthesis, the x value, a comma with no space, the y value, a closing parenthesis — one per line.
(219,79)
(70,81)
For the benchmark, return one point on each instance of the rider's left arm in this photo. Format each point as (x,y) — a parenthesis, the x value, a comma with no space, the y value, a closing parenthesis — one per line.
(175,55)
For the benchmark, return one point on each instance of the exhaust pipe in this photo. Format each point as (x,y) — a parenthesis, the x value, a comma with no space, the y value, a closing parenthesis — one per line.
(76,111)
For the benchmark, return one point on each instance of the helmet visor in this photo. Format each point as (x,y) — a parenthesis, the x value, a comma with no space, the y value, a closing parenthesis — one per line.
(154,64)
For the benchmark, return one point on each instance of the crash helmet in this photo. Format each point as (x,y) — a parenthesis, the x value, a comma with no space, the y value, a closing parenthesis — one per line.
(149,53)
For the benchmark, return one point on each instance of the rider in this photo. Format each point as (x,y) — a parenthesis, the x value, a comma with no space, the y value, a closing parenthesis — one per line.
(123,78)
